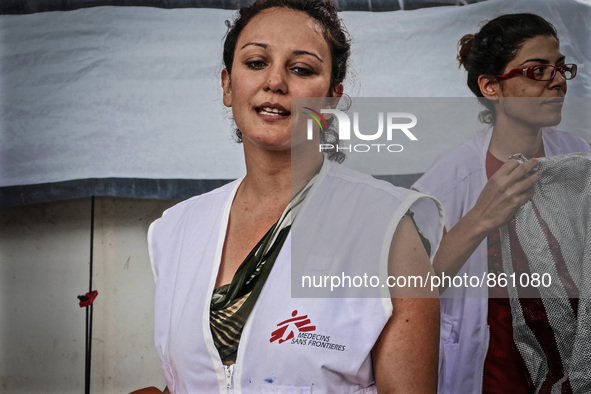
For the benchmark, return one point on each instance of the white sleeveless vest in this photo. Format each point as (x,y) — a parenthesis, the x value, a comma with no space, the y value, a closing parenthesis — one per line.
(288,345)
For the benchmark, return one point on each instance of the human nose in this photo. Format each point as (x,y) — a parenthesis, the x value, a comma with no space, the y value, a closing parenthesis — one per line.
(558,80)
(276,80)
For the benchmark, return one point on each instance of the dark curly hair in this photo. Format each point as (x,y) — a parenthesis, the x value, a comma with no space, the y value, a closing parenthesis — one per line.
(322,11)
(490,50)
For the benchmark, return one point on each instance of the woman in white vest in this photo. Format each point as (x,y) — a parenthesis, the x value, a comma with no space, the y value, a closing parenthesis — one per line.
(515,65)
(225,317)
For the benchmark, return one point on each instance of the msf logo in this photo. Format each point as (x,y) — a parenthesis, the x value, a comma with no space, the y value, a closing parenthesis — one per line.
(288,328)
(395,122)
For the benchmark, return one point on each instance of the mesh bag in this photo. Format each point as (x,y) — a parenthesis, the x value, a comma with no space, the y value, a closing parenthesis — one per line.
(546,252)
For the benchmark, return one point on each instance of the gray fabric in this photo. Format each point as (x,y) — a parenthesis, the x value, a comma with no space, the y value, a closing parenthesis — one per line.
(32,6)
(551,234)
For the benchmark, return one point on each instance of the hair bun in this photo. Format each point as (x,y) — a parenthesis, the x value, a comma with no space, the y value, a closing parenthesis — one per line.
(464,46)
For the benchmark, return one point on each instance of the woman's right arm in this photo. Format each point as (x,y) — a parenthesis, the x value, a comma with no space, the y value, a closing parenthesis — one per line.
(506,191)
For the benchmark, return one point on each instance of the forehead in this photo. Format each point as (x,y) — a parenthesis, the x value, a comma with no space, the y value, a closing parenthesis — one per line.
(539,47)
(284,28)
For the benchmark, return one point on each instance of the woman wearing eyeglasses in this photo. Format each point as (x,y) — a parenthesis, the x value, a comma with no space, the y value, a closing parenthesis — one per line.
(511,57)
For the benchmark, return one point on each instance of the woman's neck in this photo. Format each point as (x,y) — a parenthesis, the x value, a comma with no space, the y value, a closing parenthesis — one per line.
(270,179)
(510,137)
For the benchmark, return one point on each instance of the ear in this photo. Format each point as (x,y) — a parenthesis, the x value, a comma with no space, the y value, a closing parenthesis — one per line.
(490,86)
(227,88)
(333,97)
(338,90)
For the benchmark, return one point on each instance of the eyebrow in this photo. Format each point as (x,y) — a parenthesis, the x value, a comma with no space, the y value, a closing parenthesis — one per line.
(298,52)
(258,44)
(542,61)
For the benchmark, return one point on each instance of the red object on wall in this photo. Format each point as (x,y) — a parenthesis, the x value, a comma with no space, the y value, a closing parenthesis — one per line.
(87,299)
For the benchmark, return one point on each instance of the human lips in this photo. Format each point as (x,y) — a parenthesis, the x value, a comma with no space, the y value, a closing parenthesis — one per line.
(272,111)
(555,101)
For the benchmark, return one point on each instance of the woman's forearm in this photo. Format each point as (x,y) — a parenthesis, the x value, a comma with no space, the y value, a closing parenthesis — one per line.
(458,244)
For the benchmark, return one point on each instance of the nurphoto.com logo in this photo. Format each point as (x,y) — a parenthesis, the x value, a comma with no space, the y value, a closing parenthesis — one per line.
(396,123)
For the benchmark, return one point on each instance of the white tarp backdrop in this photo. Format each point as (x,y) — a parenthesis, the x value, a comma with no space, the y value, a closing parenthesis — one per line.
(134,92)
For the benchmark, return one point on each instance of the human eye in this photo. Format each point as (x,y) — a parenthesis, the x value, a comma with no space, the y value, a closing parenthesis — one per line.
(539,71)
(303,71)
(256,64)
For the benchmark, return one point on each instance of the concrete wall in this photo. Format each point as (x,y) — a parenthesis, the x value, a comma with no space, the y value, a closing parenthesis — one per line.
(44,265)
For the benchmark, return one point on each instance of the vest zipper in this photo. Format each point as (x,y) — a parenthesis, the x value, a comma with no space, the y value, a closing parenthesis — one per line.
(229,371)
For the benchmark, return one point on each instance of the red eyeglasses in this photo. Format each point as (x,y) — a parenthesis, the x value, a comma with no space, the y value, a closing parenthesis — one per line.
(543,72)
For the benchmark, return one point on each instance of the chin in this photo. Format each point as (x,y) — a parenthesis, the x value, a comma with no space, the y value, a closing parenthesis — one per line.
(269,139)
(274,145)
(552,120)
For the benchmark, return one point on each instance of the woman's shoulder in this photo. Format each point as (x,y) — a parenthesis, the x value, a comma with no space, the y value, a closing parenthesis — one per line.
(557,142)
(206,203)
(452,168)
(348,180)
